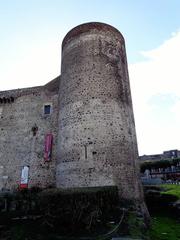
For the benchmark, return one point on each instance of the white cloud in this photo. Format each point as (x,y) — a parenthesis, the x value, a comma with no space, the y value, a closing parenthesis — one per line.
(159,75)
(34,65)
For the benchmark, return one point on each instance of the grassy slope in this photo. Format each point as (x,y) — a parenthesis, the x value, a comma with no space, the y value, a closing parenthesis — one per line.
(164,227)
(171,189)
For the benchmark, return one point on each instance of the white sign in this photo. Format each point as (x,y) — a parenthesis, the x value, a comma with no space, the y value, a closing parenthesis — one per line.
(24,176)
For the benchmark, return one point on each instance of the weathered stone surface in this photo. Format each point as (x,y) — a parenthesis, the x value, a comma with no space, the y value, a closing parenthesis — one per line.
(18,146)
(97,141)
(91,120)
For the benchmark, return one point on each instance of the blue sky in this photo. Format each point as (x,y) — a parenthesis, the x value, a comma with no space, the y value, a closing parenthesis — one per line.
(145,24)
(30,50)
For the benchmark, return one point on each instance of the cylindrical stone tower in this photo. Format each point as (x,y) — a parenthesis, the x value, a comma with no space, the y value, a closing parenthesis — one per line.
(97,140)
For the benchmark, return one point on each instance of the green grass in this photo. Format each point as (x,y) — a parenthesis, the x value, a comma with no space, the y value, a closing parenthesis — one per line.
(171,189)
(165,228)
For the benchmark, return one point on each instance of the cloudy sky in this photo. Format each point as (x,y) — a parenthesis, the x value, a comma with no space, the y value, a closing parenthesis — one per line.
(31,33)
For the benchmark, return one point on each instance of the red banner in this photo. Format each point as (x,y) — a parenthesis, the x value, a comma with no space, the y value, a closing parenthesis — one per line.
(48,147)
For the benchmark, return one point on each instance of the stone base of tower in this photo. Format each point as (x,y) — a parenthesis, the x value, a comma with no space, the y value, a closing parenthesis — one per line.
(80,173)
(129,200)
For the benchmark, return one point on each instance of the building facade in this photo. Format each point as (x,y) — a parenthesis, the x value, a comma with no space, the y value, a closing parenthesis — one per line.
(166,155)
(78,130)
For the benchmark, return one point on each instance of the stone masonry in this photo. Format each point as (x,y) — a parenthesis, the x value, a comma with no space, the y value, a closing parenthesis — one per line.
(97,141)
(91,120)
(18,146)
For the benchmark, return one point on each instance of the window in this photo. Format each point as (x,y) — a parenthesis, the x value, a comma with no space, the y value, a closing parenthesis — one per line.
(47,109)
(6,100)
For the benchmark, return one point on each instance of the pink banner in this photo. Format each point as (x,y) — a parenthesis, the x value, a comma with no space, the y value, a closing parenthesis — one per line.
(48,147)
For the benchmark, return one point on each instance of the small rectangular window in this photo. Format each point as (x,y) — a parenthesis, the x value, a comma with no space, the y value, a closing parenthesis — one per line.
(47,109)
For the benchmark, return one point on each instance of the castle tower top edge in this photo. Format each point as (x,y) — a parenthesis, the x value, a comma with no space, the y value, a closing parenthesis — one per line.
(88,27)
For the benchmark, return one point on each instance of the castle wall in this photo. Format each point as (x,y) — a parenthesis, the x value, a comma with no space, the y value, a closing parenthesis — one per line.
(20,111)
(91,120)
(97,141)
